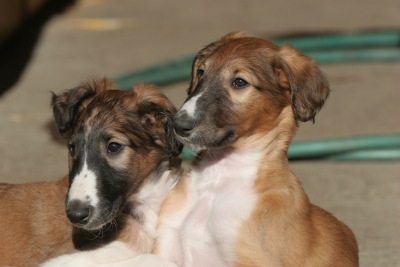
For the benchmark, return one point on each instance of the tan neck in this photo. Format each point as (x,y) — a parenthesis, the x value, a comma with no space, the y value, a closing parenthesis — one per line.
(274,143)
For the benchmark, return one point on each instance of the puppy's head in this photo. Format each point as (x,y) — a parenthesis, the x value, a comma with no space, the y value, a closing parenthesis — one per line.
(116,139)
(241,85)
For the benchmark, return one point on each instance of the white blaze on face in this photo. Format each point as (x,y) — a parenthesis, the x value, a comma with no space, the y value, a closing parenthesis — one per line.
(190,106)
(84,187)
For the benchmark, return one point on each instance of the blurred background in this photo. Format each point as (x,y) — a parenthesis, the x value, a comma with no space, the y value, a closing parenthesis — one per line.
(54,45)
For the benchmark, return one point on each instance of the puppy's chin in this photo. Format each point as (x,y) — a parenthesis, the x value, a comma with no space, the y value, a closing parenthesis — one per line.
(97,226)
(103,216)
(196,148)
(96,223)
(191,143)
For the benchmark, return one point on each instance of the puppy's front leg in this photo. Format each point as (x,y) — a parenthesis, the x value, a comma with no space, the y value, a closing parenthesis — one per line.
(116,251)
(143,260)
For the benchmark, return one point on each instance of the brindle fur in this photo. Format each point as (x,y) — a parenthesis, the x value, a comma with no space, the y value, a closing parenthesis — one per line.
(35,226)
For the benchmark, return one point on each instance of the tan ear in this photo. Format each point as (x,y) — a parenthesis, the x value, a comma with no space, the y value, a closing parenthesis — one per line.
(309,87)
(148,93)
(156,113)
(100,85)
(203,54)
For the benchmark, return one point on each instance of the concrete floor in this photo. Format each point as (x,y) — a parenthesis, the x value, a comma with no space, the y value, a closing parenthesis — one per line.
(136,34)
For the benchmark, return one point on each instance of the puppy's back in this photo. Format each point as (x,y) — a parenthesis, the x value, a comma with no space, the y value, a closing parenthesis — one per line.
(33,223)
(332,231)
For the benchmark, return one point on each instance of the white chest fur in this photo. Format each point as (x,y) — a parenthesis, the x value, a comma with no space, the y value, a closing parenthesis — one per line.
(220,198)
(151,197)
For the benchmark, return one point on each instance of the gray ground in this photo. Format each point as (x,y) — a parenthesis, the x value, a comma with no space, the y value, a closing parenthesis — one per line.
(364,100)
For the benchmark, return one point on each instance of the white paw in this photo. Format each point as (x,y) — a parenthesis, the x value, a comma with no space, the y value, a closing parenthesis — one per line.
(143,260)
(68,261)
(152,260)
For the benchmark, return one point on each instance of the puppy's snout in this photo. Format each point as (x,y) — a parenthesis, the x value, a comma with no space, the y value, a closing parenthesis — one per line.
(183,125)
(79,212)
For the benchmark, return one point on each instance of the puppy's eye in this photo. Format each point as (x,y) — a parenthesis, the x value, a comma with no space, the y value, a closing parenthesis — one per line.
(71,149)
(239,83)
(113,148)
(200,73)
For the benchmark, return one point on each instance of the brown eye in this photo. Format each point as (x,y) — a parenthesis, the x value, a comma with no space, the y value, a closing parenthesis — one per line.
(200,73)
(239,83)
(113,148)
(71,149)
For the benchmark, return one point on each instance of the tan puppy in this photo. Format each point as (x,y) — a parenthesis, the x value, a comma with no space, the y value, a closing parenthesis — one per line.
(240,205)
(120,171)
(33,222)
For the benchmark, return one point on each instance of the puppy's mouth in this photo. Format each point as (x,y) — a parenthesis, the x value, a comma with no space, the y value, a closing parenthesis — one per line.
(96,217)
(101,219)
(199,141)
(226,139)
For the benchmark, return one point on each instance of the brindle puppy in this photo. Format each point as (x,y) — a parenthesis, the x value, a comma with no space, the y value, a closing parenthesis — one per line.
(120,165)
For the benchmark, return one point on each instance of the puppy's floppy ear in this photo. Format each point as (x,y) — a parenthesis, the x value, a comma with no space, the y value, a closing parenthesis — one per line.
(203,54)
(156,113)
(174,148)
(309,87)
(156,117)
(66,105)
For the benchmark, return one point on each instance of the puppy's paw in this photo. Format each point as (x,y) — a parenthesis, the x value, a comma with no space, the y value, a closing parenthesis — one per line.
(151,260)
(68,261)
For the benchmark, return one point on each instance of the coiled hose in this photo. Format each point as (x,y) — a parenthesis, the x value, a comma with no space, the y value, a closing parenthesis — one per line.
(383,147)
(361,148)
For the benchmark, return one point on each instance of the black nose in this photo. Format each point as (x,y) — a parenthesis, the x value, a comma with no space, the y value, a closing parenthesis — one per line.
(79,212)
(183,126)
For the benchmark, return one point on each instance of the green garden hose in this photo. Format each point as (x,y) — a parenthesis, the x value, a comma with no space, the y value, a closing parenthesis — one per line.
(344,41)
(367,155)
(383,147)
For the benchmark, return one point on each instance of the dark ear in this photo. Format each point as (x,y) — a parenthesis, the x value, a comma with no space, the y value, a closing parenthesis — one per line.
(309,87)
(156,112)
(204,53)
(174,148)
(159,119)
(66,105)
